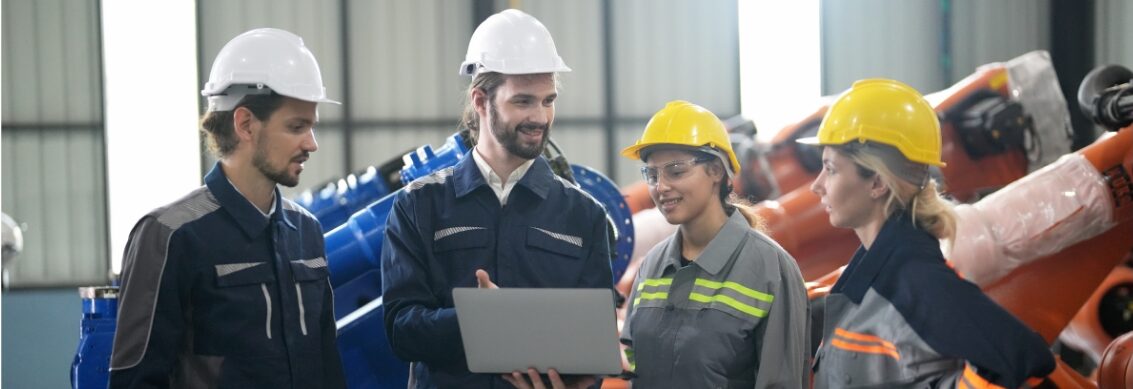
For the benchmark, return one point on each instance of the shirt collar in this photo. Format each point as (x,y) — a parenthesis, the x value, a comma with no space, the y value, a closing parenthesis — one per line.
(866,265)
(247,216)
(271,209)
(502,189)
(719,250)
(469,176)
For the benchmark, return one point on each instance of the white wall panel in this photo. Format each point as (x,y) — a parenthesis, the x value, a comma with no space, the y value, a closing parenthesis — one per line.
(628,171)
(1114,32)
(580,145)
(881,38)
(675,49)
(405,56)
(316,21)
(576,27)
(996,31)
(53,147)
(375,146)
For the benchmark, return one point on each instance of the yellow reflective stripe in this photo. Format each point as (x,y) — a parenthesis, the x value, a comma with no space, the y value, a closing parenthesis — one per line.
(755,294)
(654,282)
(629,357)
(651,296)
(731,302)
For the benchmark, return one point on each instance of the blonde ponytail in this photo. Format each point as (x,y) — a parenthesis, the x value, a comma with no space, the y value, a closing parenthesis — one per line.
(929,210)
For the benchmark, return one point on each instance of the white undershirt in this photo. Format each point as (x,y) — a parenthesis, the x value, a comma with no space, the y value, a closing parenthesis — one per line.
(502,189)
(266,214)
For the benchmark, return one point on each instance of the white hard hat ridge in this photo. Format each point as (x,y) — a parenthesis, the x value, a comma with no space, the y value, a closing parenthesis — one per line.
(512,42)
(260,61)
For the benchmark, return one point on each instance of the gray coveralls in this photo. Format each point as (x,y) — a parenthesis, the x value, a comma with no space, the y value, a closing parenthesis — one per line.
(736,317)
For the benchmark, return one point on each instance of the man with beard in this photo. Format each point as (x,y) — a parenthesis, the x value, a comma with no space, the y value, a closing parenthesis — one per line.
(228,287)
(499,217)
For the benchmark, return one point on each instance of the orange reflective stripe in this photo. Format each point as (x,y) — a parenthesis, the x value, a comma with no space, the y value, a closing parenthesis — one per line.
(974,380)
(880,350)
(863,338)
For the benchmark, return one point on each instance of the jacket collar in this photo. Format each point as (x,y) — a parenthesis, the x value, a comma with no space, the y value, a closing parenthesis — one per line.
(467,176)
(250,220)
(718,252)
(867,265)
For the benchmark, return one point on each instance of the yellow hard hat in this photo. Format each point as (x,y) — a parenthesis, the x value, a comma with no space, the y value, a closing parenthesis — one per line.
(683,123)
(887,112)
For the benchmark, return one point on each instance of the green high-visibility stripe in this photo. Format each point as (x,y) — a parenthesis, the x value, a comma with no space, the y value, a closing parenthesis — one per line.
(654,296)
(629,357)
(654,282)
(731,302)
(755,294)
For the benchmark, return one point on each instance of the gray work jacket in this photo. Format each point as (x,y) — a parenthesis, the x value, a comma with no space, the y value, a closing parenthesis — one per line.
(736,317)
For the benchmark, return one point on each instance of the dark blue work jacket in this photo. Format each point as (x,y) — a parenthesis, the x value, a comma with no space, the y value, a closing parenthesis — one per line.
(215,295)
(445,226)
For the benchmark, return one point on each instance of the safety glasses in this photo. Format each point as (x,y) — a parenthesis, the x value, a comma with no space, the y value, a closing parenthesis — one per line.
(670,171)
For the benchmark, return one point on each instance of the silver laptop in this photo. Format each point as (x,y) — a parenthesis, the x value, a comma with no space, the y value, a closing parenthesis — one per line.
(573,331)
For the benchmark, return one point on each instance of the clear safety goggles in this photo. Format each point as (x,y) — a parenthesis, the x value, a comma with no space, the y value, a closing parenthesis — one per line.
(671,171)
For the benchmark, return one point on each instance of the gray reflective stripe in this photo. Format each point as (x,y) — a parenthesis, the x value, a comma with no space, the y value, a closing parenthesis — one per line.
(198,203)
(437,177)
(577,241)
(229,268)
(267,303)
(302,314)
(447,232)
(143,268)
(289,205)
(313,263)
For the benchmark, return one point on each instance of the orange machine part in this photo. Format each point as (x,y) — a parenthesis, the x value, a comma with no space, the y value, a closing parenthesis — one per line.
(788,172)
(637,197)
(1085,330)
(995,171)
(1065,377)
(1116,367)
(1047,293)
(798,221)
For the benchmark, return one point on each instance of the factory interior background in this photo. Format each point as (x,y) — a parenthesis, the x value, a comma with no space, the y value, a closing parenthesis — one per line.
(100,121)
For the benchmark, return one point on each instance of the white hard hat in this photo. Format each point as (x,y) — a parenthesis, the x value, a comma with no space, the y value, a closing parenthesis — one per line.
(13,239)
(264,58)
(512,42)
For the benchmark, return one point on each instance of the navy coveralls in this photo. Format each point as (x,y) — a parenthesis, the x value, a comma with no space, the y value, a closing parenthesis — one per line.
(445,226)
(215,295)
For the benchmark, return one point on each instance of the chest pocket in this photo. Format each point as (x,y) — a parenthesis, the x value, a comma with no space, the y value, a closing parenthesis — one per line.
(246,273)
(310,287)
(248,304)
(568,246)
(460,238)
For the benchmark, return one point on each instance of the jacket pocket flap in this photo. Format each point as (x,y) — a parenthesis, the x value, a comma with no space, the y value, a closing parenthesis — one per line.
(554,242)
(246,273)
(456,238)
(309,269)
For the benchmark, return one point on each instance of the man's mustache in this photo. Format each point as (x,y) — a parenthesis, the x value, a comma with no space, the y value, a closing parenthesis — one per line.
(527,127)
